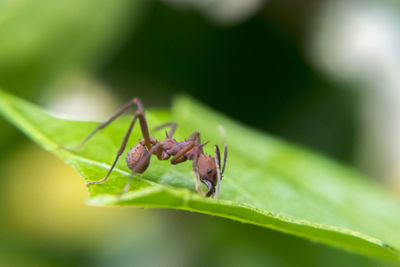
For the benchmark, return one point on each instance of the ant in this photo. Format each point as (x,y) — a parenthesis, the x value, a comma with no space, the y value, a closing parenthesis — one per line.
(206,168)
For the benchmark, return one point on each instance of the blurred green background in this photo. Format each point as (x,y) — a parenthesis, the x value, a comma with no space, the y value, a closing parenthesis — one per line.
(323,74)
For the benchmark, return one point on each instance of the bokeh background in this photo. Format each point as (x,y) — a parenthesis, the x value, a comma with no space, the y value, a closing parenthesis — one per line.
(322,74)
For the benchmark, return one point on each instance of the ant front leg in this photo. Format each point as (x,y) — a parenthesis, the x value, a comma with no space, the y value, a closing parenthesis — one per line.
(195,137)
(196,172)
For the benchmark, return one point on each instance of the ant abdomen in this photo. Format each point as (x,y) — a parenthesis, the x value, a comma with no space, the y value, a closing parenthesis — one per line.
(135,155)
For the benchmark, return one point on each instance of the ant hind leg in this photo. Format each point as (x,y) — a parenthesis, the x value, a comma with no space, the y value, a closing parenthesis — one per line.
(143,125)
(101,126)
(120,151)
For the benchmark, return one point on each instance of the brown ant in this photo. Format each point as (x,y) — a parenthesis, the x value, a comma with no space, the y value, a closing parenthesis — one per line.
(206,168)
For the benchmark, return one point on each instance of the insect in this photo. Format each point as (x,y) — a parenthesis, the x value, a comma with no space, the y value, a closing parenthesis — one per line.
(206,168)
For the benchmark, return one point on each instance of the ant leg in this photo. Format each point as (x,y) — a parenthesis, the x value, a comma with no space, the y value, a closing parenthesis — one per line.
(171,132)
(178,156)
(120,151)
(143,125)
(127,185)
(111,119)
(157,150)
(195,137)
(196,172)
(102,126)
(218,167)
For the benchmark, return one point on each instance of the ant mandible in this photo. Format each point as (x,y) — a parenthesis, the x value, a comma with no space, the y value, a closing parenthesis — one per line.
(206,168)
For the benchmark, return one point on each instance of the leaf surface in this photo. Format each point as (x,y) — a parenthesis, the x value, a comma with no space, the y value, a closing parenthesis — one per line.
(267,182)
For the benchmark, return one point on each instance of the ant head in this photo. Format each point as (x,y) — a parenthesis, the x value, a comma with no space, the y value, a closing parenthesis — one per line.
(207,172)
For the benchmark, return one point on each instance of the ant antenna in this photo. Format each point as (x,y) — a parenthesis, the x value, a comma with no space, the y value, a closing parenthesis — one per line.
(222,131)
(218,167)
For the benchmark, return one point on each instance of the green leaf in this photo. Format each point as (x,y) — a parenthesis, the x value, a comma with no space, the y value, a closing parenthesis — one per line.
(267,182)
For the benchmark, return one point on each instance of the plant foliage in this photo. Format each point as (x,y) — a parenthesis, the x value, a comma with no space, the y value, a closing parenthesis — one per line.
(267,182)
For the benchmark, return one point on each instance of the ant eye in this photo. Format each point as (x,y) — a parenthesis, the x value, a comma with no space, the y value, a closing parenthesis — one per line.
(209,170)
